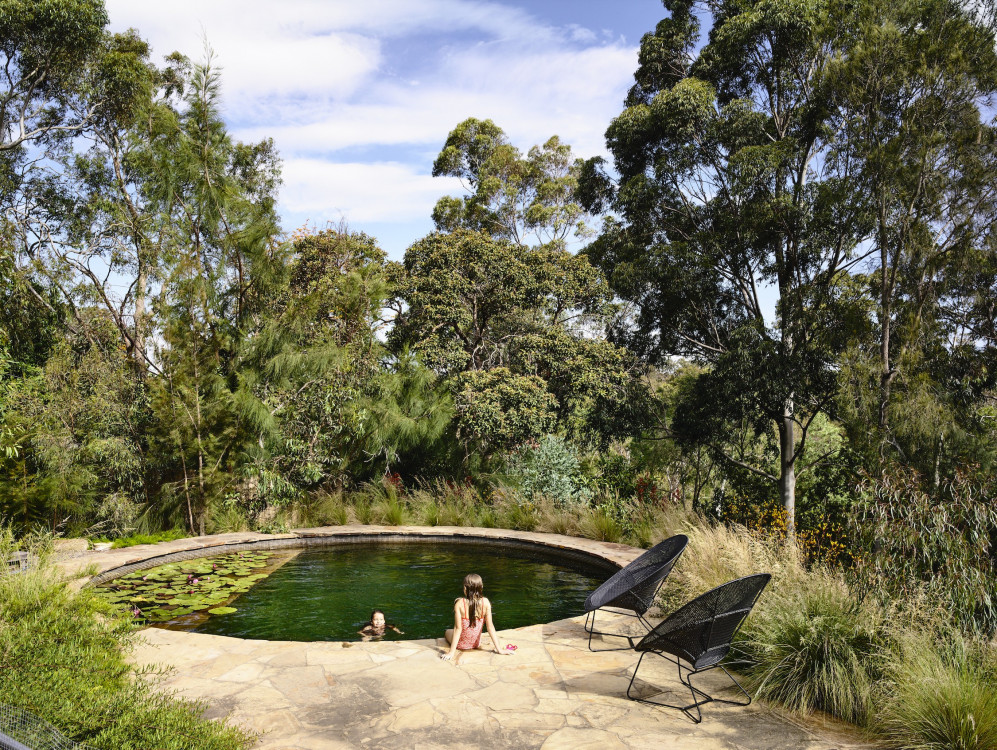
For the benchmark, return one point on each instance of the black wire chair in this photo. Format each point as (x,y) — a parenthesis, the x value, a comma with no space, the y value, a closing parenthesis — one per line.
(700,633)
(634,587)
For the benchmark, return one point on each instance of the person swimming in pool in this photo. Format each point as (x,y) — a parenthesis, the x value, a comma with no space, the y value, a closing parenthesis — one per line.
(472,612)
(376,627)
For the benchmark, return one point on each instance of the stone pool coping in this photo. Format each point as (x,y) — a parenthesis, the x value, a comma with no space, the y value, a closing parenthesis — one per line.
(552,694)
(100,566)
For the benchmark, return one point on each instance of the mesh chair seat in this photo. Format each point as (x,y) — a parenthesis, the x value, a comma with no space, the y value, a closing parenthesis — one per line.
(700,634)
(635,586)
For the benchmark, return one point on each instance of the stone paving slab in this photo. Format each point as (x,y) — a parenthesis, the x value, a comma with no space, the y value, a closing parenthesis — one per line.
(553,694)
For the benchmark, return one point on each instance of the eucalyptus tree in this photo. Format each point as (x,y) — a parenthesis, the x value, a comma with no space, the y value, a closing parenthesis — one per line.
(915,91)
(47,49)
(729,196)
(511,197)
(82,223)
(62,76)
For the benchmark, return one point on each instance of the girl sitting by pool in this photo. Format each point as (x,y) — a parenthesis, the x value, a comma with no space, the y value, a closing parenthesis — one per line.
(471,613)
(376,626)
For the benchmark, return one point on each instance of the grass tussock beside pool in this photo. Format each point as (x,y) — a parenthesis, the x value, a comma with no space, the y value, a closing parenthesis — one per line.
(63,657)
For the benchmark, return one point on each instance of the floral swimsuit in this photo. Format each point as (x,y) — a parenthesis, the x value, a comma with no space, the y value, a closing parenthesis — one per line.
(470,635)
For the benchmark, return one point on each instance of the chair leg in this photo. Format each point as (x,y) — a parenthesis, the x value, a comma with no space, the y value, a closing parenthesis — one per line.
(738,686)
(686,680)
(687,710)
(590,629)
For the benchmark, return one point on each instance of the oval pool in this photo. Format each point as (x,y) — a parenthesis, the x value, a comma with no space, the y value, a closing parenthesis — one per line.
(326,593)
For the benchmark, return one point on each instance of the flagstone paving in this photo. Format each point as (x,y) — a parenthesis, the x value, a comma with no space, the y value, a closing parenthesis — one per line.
(552,694)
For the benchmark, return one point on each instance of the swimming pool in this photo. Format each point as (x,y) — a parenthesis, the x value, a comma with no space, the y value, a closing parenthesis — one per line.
(326,593)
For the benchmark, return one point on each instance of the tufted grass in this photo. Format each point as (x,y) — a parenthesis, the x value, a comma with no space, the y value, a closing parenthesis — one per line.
(940,696)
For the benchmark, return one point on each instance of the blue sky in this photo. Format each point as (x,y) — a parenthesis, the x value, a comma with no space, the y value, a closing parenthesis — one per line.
(359,95)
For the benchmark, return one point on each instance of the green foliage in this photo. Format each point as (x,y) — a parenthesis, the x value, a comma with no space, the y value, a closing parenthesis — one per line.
(214,199)
(940,542)
(815,647)
(776,154)
(941,696)
(136,539)
(467,295)
(47,49)
(65,661)
(809,643)
(80,426)
(474,308)
(548,467)
(602,526)
(915,83)
(496,409)
(512,196)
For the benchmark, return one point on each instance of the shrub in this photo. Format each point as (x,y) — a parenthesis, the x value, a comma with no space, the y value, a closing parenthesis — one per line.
(940,698)
(942,543)
(392,512)
(227,517)
(117,515)
(64,661)
(514,512)
(321,509)
(549,468)
(602,526)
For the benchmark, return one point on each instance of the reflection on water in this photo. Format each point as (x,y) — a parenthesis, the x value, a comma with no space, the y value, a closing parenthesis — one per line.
(327,594)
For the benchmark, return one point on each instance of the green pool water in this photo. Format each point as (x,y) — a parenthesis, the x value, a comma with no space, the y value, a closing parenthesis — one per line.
(327,593)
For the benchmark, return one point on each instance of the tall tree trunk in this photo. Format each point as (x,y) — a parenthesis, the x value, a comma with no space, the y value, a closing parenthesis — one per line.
(886,373)
(787,467)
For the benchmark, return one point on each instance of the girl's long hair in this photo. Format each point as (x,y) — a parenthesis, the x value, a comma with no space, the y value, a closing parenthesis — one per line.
(473,587)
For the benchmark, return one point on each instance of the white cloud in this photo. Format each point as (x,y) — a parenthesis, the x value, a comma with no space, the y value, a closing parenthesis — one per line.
(361,191)
(572,94)
(324,76)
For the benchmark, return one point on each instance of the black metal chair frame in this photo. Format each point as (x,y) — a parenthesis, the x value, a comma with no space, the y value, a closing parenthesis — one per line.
(706,636)
(652,568)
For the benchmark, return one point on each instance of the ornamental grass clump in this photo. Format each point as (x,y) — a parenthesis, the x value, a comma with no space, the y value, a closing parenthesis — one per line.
(602,526)
(811,646)
(64,660)
(939,695)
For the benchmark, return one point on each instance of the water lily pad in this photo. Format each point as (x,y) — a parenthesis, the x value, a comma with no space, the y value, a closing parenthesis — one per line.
(221,610)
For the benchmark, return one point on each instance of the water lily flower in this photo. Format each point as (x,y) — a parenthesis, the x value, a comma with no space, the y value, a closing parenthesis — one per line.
(196,581)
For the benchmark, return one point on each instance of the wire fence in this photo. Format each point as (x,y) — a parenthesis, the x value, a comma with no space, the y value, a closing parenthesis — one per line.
(18,562)
(20,730)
